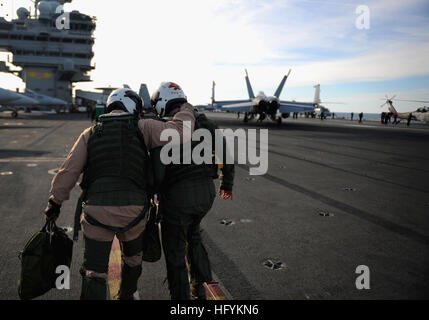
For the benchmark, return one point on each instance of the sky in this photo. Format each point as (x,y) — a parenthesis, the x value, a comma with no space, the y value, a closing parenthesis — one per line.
(194,42)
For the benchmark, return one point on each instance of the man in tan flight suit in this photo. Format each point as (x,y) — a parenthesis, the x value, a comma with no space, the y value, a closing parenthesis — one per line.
(113,157)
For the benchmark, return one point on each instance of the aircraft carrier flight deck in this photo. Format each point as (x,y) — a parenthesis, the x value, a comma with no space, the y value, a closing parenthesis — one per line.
(338,195)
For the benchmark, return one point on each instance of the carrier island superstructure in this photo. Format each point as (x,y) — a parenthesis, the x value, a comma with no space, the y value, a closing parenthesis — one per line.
(51,54)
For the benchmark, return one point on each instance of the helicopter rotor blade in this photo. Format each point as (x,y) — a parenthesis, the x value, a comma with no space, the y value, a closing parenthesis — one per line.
(421,101)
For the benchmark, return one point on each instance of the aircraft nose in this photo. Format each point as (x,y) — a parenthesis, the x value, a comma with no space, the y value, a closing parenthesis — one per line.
(28,101)
(60,102)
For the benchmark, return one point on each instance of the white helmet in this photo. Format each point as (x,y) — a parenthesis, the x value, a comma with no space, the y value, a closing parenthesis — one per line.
(168,96)
(125,99)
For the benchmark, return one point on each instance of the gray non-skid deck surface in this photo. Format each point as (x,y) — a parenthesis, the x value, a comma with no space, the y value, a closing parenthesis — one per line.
(382,222)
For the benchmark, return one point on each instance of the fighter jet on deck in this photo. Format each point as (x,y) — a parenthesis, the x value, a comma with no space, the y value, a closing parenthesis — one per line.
(261,106)
(13,101)
(45,102)
(320,110)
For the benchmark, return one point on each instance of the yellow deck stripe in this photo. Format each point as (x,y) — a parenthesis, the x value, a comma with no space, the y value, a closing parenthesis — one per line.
(114,269)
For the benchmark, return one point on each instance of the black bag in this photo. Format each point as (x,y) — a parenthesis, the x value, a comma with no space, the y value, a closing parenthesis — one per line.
(151,241)
(43,253)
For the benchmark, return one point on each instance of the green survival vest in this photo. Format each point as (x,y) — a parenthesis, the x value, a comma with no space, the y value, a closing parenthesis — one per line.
(178,172)
(117,169)
(117,166)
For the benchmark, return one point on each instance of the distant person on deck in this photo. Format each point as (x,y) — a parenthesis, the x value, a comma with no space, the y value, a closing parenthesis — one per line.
(360,117)
(395,119)
(410,116)
(93,113)
(352,115)
(383,117)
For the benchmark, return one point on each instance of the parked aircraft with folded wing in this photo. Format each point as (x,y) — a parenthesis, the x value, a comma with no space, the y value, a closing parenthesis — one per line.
(14,101)
(46,102)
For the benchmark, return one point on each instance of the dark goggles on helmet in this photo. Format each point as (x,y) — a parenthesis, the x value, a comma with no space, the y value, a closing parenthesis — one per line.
(136,98)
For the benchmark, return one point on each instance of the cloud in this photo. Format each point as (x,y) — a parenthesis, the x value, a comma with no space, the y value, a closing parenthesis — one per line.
(389,62)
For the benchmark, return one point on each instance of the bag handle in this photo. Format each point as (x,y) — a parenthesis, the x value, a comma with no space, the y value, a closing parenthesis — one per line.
(50,227)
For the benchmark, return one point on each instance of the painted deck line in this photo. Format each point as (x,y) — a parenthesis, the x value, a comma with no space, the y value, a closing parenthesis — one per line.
(114,278)
(213,289)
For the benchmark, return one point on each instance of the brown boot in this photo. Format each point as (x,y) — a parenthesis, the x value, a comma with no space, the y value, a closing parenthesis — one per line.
(198,292)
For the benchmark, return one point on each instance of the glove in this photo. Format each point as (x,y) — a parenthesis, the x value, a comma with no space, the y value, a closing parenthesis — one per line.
(52,211)
(226,194)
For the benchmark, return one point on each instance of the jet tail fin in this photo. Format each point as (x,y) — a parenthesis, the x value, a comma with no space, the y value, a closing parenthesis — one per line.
(281,86)
(213,93)
(317,94)
(249,87)
(144,94)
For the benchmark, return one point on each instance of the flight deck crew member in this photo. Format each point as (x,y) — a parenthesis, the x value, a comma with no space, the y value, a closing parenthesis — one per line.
(113,158)
(187,193)
(410,117)
(395,119)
